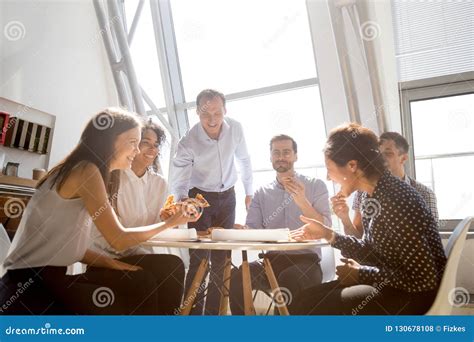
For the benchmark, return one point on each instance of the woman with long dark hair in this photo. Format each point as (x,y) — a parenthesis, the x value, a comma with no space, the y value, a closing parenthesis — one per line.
(138,195)
(55,232)
(397,266)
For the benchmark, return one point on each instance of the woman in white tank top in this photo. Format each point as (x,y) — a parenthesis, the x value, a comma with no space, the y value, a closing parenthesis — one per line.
(138,195)
(55,230)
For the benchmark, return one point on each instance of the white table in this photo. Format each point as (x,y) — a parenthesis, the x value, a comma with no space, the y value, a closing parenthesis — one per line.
(242,246)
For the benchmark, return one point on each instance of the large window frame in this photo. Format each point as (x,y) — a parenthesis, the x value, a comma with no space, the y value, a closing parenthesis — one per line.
(428,89)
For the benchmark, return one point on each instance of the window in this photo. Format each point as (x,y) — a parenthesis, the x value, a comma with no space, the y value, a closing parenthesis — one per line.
(143,52)
(440,120)
(258,66)
(433,38)
(251,44)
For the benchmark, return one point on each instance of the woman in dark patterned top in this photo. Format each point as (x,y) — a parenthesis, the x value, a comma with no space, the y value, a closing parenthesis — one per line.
(397,267)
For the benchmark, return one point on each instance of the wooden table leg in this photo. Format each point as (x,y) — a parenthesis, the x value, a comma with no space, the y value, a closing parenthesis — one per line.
(247,286)
(192,292)
(225,290)
(277,295)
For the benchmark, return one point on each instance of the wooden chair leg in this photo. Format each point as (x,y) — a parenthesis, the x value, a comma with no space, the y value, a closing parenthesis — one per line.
(277,296)
(192,292)
(247,286)
(225,290)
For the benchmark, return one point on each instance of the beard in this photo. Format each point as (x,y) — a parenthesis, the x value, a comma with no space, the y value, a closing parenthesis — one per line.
(282,166)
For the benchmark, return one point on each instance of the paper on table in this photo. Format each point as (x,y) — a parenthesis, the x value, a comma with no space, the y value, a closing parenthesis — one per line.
(176,235)
(273,235)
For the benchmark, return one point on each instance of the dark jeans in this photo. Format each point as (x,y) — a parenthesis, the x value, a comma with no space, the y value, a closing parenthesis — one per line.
(294,273)
(335,299)
(48,290)
(220,213)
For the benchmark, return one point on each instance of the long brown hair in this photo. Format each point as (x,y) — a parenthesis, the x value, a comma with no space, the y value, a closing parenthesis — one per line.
(96,144)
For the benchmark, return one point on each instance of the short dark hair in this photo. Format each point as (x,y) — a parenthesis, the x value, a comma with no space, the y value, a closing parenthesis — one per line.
(355,142)
(281,137)
(400,142)
(209,94)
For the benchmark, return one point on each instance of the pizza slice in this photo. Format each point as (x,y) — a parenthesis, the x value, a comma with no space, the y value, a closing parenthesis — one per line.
(193,205)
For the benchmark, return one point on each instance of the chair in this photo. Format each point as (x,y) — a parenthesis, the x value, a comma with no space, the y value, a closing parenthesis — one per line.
(453,250)
(4,247)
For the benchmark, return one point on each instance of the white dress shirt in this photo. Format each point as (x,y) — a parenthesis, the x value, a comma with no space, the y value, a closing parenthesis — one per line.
(208,164)
(138,204)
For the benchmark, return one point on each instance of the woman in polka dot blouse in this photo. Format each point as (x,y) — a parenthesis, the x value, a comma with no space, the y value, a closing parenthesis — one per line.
(397,266)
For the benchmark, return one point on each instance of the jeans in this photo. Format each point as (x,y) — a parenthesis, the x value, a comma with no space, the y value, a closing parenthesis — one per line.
(220,213)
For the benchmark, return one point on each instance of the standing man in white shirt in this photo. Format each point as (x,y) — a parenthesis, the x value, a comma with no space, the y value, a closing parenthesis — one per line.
(204,163)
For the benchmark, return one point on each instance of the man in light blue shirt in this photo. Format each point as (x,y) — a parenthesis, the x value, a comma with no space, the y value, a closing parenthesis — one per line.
(205,163)
(279,204)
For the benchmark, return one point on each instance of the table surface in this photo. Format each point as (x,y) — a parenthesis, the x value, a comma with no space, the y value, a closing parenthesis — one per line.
(238,245)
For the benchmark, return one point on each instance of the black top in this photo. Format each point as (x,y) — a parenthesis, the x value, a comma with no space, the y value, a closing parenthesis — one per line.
(401,246)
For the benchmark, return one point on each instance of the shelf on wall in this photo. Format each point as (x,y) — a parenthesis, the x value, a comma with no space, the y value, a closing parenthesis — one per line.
(24,135)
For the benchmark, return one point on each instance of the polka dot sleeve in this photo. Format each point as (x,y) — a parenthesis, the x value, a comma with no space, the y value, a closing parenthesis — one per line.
(402,246)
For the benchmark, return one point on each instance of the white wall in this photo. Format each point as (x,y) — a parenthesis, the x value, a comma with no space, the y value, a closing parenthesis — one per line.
(53,60)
